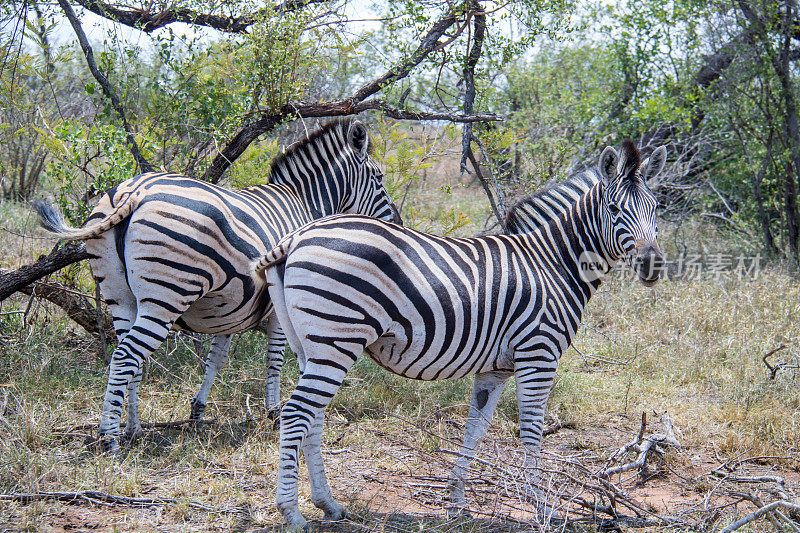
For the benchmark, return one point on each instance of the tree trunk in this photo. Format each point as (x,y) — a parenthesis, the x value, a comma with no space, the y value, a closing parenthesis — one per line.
(763,218)
(790,205)
(791,128)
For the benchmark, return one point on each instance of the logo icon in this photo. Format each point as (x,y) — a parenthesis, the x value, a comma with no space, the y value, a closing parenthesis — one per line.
(592,266)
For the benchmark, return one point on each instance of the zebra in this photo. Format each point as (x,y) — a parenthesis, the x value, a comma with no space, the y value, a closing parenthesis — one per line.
(429,307)
(168,250)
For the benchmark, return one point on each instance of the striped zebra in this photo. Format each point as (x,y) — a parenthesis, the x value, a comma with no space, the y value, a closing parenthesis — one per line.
(429,307)
(169,251)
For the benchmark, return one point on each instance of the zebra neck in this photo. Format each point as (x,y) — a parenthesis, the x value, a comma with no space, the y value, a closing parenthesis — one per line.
(579,246)
(318,187)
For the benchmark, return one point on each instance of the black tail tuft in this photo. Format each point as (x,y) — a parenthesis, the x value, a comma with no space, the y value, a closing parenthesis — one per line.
(50,218)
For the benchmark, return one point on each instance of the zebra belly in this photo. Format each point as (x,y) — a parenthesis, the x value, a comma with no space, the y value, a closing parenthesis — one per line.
(415,358)
(220,312)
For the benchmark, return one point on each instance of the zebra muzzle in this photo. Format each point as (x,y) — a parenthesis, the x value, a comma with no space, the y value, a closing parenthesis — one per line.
(649,262)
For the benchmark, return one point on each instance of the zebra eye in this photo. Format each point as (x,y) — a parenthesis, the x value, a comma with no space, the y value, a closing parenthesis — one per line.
(613,209)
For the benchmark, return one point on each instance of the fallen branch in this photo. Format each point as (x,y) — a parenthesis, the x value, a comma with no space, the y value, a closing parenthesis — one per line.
(101,498)
(773,370)
(761,512)
(77,306)
(748,479)
(145,425)
(643,447)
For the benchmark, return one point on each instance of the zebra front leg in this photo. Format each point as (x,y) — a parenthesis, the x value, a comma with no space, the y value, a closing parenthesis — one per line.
(534,383)
(321,378)
(275,349)
(486,394)
(217,356)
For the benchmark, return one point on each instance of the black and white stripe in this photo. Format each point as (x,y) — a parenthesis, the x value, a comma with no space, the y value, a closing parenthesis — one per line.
(169,251)
(429,307)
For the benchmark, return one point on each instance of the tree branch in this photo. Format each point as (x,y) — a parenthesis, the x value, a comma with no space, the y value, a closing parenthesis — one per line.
(77,306)
(348,106)
(148,22)
(97,497)
(469,82)
(13,281)
(429,43)
(108,90)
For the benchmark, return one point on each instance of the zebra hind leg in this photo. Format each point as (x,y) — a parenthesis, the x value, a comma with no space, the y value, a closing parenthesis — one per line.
(486,394)
(321,495)
(277,345)
(217,356)
(322,376)
(134,428)
(144,337)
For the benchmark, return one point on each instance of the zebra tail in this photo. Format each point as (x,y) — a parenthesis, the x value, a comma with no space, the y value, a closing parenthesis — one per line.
(275,256)
(273,264)
(51,219)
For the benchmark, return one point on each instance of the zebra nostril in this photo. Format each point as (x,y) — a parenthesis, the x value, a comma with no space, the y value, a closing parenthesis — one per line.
(649,265)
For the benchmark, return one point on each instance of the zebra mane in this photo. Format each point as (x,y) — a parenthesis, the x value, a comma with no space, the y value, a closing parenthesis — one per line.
(336,130)
(548,203)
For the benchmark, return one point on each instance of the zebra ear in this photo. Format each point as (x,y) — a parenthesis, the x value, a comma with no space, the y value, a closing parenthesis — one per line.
(358,138)
(654,164)
(608,165)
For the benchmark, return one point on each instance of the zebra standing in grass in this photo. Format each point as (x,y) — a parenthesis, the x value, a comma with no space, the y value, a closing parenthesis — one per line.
(429,307)
(169,251)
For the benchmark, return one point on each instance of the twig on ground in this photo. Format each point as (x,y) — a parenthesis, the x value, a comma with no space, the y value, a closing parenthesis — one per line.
(773,370)
(781,504)
(146,425)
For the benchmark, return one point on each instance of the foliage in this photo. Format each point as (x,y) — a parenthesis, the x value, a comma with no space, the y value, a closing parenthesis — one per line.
(86,161)
(407,155)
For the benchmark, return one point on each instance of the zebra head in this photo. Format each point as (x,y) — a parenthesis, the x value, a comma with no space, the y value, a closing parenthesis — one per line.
(628,208)
(367,194)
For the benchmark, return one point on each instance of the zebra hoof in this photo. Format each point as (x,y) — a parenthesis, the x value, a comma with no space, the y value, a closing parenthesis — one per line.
(274,414)
(455,512)
(198,408)
(133,431)
(109,445)
(335,512)
(294,519)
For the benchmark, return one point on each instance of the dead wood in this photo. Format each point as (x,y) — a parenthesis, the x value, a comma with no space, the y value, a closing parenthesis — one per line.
(773,370)
(77,306)
(101,498)
(145,425)
(12,281)
(643,447)
(776,505)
